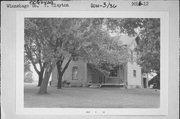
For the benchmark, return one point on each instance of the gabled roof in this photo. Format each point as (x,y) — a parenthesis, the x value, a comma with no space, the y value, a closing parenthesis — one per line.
(94,67)
(130,42)
(126,40)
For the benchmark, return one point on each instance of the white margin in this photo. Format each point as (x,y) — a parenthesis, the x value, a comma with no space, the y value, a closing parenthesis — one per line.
(163,110)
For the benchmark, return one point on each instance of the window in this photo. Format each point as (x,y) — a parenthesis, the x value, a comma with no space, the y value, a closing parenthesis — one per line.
(114,71)
(134,73)
(75,73)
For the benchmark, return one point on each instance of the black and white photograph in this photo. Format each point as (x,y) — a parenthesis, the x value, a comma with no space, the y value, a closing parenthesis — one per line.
(93,59)
(92,62)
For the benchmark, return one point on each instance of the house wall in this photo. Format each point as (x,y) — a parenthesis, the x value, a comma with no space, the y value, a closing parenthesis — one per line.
(133,81)
(82,74)
(90,75)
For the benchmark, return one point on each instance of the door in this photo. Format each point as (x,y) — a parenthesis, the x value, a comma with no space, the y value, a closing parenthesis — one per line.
(144,82)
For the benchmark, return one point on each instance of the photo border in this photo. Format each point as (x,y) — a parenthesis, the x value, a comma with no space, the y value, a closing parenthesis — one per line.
(164,55)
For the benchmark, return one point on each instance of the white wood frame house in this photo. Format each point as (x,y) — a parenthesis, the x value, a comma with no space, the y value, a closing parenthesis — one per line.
(82,73)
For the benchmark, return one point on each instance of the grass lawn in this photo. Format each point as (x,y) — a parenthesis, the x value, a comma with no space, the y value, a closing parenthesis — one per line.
(91,98)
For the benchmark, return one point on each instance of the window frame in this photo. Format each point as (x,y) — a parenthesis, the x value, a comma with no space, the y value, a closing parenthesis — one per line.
(134,73)
(74,68)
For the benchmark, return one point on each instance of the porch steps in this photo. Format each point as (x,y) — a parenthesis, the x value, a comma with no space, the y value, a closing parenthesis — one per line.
(106,85)
(112,85)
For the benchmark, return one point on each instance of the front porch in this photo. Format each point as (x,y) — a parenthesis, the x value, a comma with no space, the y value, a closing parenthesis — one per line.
(109,83)
(98,78)
(113,82)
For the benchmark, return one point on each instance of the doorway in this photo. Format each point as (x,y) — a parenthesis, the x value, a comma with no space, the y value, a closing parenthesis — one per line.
(145,82)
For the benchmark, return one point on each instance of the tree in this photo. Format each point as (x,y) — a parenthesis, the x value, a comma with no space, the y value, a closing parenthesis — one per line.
(35,47)
(27,72)
(83,38)
(54,41)
(148,32)
(38,36)
(150,46)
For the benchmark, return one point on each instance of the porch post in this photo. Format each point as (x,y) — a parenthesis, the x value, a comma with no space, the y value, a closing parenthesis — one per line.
(85,75)
(125,74)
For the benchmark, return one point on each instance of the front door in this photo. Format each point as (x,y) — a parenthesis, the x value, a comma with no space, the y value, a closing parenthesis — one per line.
(144,82)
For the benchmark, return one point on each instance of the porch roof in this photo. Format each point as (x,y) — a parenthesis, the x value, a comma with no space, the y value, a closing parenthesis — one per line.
(94,67)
